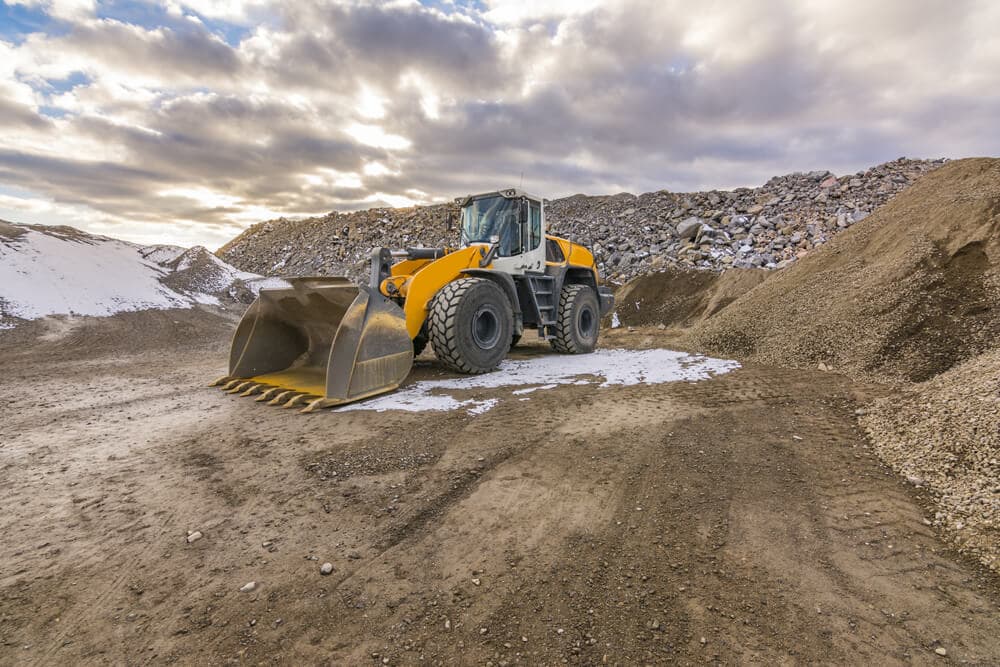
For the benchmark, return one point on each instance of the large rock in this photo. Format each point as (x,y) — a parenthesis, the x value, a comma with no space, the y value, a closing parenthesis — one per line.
(689,228)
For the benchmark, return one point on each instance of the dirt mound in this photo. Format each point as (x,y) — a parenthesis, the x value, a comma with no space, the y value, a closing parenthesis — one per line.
(943,434)
(904,295)
(678,297)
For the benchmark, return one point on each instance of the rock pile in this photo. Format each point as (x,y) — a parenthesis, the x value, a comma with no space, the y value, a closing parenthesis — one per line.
(766,227)
(338,244)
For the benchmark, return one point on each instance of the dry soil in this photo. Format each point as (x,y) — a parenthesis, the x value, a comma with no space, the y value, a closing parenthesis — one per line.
(738,519)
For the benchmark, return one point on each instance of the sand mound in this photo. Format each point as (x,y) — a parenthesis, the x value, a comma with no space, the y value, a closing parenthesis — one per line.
(679,298)
(904,295)
(945,434)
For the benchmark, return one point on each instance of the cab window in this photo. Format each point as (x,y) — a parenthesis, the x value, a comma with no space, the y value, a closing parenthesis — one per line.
(535,226)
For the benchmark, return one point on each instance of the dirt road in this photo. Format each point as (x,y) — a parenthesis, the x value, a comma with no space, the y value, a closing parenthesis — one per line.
(739,519)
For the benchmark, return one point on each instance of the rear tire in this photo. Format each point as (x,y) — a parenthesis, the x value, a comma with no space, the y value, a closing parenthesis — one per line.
(578,323)
(471,325)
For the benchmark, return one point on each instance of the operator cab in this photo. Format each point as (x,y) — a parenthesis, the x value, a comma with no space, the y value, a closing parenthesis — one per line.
(510,220)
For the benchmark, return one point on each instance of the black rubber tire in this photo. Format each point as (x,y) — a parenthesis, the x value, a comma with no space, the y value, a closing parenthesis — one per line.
(514,340)
(470,325)
(578,322)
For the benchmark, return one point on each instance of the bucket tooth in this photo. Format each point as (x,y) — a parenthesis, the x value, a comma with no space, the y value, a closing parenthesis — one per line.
(232,383)
(253,389)
(237,388)
(281,398)
(299,400)
(222,380)
(314,405)
(268,394)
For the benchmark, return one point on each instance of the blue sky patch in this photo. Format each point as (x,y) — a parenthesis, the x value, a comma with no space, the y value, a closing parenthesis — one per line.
(18,21)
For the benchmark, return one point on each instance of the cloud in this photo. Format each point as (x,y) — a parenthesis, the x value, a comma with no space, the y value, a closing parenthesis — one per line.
(210,115)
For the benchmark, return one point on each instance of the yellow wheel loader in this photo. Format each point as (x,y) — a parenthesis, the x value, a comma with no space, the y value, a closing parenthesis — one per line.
(325,341)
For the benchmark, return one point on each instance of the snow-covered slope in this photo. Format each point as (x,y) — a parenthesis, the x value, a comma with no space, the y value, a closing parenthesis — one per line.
(62,270)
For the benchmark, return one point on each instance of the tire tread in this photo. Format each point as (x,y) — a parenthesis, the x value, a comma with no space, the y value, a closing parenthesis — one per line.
(443,328)
(563,340)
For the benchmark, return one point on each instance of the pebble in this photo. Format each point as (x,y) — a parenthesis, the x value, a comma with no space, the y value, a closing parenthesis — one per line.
(248,587)
(477,581)
(194,536)
(940,650)
(326,568)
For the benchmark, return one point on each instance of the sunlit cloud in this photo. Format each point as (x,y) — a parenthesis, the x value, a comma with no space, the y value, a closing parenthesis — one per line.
(373,135)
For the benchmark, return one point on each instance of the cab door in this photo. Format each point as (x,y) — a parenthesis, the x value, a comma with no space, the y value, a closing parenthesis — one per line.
(528,245)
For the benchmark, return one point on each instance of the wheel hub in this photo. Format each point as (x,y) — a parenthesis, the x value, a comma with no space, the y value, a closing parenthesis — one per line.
(587,321)
(486,327)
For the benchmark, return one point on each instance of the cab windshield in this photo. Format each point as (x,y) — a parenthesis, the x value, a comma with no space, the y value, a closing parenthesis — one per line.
(486,217)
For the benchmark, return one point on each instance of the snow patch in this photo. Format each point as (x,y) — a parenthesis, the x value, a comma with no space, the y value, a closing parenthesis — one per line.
(518,392)
(605,367)
(162,254)
(483,406)
(615,322)
(42,274)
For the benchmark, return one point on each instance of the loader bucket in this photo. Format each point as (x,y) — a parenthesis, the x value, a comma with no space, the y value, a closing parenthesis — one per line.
(319,343)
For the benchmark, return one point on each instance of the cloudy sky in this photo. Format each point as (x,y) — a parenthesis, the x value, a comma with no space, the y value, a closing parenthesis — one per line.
(185,121)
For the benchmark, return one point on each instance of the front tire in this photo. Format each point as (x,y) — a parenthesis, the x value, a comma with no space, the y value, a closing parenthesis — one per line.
(471,325)
(578,322)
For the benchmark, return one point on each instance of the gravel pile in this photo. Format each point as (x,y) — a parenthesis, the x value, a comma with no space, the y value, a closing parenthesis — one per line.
(945,434)
(766,227)
(903,296)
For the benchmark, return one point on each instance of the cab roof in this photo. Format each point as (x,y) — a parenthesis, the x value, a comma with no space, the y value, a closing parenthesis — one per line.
(509,193)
